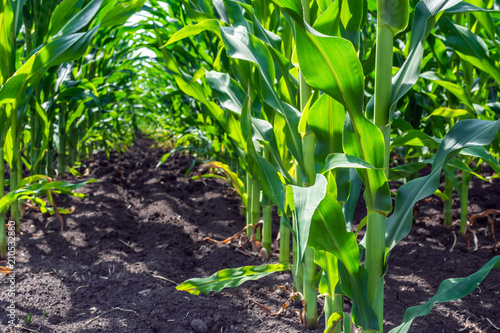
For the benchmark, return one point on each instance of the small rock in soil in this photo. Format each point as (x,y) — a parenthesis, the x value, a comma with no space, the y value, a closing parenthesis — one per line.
(199,326)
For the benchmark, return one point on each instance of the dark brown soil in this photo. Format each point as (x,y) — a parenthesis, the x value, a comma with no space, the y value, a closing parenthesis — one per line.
(115,266)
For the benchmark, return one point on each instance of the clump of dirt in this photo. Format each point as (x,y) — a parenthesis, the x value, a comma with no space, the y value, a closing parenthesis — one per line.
(141,231)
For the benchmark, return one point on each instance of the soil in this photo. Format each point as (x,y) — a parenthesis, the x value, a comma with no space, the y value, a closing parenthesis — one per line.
(141,230)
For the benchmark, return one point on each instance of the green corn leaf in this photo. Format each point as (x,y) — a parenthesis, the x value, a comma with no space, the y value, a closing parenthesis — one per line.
(229,92)
(45,133)
(8,149)
(268,37)
(460,165)
(67,48)
(121,12)
(469,47)
(485,155)
(4,125)
(455,89)
(352,14)
(440,54)
(328,22)
(333,321)
(449,290)
(63,13)
(221,10)
(235,132)
(449,113)
(75,22)
(326,120)
(292,8)
(453,177)
(194,90)
(349,206)
(14,87)
(211,25)
(36,189)
(405,170)
(422,25)
(477,7)
(264,132)
(229,278)
(34,179)
(416,138)
(74,116)
(18,12)
(303,202)
(369,149)
(7,42)
(466,133)
(163,159)
(242,45)
(338,160)
(328,233)
(272,186)
(331,64)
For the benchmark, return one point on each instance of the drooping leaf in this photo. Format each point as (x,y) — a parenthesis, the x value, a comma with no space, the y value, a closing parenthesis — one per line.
(229,278)
(36,189)
(66,48)
(121,12)
(242,45)
(449,113)
(192,30)
(326,119)
(422,25)
(328,232)
(469,47)
(345,161)
(449,290)
(331,64)
(228,90)
(303,202)
(466,133)
(75,22)
(415,138)
(482,153)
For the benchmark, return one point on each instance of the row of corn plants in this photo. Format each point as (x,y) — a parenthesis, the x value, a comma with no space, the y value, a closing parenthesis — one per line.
(64,93)
(313,99)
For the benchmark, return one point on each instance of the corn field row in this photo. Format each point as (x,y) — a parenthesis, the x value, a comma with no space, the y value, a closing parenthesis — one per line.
(301,105)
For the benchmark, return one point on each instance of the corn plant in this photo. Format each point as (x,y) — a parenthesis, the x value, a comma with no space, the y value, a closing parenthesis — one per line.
(36,39)
(331,121)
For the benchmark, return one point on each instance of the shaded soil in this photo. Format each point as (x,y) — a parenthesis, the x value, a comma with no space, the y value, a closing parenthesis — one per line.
(140,231)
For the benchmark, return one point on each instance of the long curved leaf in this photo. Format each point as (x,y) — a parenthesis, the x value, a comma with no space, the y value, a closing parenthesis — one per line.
(331,64)
(230,94)
(422,25)
(35,189)
(242,45)
(449,290)
(211,25)
(229,278)
(67,48)
(303,201)
(469,47)
(328,232)
(466,133)
(75,22)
